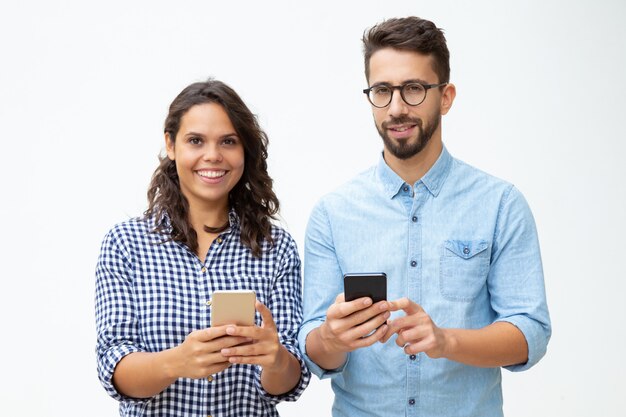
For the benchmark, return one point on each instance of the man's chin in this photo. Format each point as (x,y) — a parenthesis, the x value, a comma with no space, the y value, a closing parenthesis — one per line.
(403,149)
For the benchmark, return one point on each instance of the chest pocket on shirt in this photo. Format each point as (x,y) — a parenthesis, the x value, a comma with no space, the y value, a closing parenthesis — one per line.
(464,269)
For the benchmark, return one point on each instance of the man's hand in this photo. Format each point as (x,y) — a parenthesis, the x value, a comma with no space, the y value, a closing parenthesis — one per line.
(416,331)
(348,326)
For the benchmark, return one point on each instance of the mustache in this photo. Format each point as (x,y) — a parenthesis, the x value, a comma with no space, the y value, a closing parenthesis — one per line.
(402,120)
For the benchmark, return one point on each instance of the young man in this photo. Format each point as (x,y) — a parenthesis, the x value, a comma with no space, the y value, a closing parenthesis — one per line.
(459,247)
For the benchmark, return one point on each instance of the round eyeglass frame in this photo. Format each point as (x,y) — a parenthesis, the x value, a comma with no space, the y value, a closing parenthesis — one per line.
(401,87)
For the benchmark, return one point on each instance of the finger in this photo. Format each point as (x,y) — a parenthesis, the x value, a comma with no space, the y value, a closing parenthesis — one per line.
(396,325)
(252,332)
(347,308)
(389,333)
(340,298)
(411,335)
(251,360)
(228,341)
(405,304)
(371,339)
(210,333)
(245,350)
(418,347)
(266,316)
(362,316)
(368,327)
(217,368)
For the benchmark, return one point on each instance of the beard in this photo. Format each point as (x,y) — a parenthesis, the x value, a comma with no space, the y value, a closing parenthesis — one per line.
(405,148)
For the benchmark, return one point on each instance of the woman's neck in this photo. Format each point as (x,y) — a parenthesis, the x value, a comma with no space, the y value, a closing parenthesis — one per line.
(212,216)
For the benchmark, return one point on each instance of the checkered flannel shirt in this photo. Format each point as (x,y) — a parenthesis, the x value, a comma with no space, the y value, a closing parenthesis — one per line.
(151,294)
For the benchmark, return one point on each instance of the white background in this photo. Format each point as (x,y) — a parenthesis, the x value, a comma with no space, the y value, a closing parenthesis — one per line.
(84,90)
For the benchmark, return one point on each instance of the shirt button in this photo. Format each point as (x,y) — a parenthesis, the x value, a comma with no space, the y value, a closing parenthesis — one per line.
(405,188)
(412,401)
(219,240)
(466,250)
(413,263)
(412,357)
(203,269)
(414,218)
(210,378)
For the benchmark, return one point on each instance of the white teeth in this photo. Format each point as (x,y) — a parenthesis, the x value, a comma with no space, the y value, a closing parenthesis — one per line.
(401,129)
(211,174)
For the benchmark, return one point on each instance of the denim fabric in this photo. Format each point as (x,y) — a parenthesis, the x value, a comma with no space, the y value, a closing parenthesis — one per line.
(460,243)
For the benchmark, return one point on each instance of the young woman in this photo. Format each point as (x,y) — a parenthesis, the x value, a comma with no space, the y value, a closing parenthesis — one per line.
(207,228)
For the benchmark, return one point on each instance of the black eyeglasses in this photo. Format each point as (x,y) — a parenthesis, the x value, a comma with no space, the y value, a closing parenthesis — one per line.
(413,94)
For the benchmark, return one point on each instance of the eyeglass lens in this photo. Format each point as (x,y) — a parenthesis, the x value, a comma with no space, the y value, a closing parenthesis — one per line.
(412,93)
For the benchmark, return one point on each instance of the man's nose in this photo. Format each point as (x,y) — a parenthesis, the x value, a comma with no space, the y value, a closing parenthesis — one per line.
(397,106)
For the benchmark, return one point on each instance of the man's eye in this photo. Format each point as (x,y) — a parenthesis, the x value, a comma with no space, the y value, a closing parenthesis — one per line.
(381,91)
(413,88)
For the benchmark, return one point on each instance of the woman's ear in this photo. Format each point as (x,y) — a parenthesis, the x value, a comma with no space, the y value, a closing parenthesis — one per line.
(169,146)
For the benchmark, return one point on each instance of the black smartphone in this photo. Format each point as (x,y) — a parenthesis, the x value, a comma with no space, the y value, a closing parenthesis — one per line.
(372,284)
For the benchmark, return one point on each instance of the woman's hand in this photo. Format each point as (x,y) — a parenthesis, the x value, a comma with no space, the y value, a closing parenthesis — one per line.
(281,370)
(200,354)
(265,349)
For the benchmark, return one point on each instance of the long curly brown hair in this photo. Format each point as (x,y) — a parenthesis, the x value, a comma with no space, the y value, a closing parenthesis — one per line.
(252,198)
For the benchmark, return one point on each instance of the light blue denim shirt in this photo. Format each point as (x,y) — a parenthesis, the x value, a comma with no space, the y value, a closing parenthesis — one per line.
(460,243)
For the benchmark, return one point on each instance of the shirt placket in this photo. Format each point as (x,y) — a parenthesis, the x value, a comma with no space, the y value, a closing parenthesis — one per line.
(414,291)
(208,283)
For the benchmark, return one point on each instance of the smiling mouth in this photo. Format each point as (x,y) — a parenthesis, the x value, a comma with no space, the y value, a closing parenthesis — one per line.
(402,128)
(211,174)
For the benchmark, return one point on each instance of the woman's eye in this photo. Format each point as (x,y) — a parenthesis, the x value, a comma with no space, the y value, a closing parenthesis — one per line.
(194,140)
(229,141)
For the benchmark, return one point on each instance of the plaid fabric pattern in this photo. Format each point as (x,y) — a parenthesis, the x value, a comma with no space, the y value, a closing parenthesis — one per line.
(150,294)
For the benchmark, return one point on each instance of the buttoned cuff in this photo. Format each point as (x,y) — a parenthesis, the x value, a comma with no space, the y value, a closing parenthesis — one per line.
(537,337)
(293,394)
(321,373)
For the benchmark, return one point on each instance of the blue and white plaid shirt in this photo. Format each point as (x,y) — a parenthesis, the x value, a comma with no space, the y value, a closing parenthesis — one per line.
(150,295)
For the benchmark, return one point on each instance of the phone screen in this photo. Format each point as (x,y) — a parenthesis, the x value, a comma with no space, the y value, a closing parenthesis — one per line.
(373,285)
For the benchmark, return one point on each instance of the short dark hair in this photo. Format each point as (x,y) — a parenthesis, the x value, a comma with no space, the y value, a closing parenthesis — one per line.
(409,34)
(252,198)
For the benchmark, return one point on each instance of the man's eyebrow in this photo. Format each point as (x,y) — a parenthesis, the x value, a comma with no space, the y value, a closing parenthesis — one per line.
(409,81)
(415,80)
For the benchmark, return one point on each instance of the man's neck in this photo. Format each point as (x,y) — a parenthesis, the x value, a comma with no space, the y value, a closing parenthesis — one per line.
(413,169)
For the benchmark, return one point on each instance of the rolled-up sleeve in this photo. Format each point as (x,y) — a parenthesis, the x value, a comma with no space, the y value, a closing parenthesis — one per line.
(516,281)
(116,322)
(322,282)
(285,304)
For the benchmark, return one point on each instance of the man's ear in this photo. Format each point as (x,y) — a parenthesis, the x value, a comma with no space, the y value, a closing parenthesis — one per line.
(169,146)
(447,97)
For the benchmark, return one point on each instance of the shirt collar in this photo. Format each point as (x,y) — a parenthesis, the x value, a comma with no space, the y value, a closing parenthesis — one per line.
(233,221)
(433,180)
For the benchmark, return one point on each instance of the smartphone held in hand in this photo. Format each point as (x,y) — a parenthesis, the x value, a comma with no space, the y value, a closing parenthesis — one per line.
(233,307)
(373,285)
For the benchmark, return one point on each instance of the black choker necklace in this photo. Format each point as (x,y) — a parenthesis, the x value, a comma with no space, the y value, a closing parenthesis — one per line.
(220,229)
